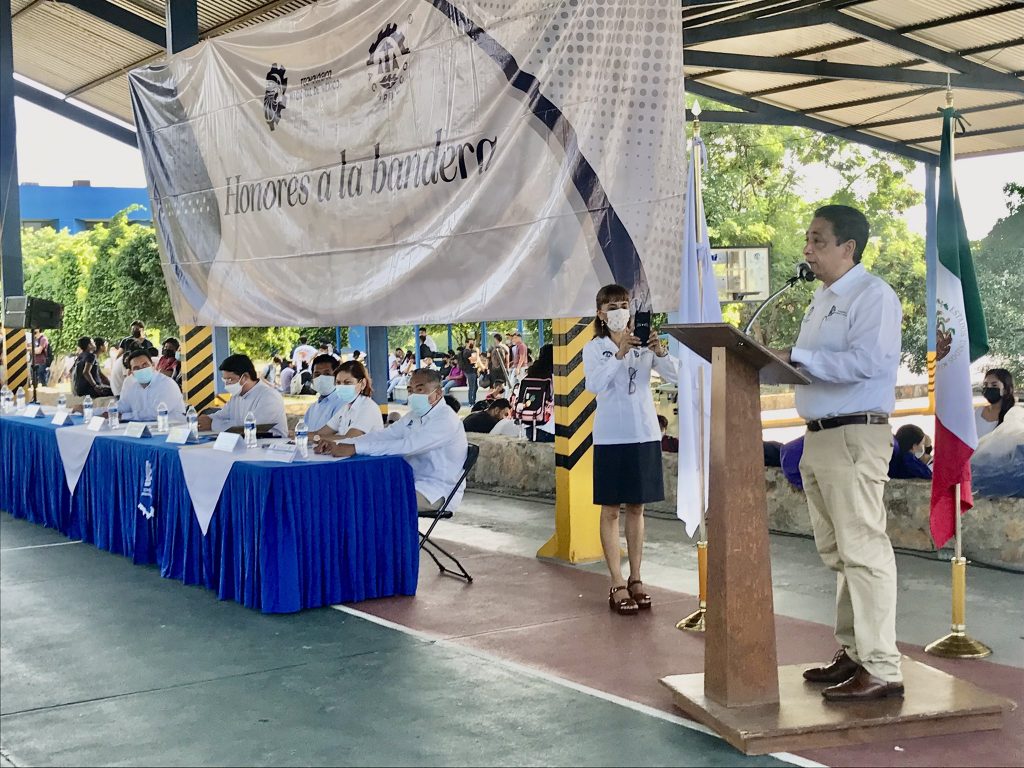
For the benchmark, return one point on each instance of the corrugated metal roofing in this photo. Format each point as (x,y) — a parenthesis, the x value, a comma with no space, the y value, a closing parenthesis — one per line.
(86,58)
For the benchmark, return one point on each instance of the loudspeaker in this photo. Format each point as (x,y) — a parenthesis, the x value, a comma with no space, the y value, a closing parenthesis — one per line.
(30,312)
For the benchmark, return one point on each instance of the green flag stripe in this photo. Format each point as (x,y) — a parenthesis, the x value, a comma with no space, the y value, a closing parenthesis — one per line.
(953,246)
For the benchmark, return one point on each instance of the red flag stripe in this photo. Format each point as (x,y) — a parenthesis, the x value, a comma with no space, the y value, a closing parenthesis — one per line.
(952,465)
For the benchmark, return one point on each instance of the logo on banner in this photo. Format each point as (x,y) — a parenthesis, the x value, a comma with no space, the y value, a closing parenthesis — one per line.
(387,62)
(145,505)
(273,97)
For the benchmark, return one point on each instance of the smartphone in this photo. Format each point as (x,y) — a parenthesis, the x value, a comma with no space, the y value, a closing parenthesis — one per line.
(642,327)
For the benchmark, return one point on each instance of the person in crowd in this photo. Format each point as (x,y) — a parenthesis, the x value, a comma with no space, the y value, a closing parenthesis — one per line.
(997,389)
(86,377)
(102,361)
(498,361)
(357,356)
(469,362)
(789,459)
(453,403)
(496,391)
(520,357)
(428,347)
(430,437)
(447,362)
(168,363)
(329,400)
(627,439)
(911,453)
(248,394)
(772,453)
(541,369)
(395,363)
(669,444)
(408,365)
(119,364)
(303,355)
(485,421)
(456,378)
(287,375)
(325,349)
(849,346)
(428,363)
(41,358)
(358,414)
(270,370)
(146,389)
(137,338)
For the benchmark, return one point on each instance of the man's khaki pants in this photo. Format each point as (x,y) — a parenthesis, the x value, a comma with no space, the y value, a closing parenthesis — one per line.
(844,471)
(423,504)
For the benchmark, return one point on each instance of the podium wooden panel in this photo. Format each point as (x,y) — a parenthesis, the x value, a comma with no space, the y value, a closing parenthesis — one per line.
(739,695)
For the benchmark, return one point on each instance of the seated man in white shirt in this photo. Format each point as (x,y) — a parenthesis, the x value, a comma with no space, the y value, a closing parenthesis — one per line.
(248,393)
(430,437)
(146,389)
(328,400)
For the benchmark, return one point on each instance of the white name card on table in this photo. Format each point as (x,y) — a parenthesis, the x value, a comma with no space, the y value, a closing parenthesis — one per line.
(62,418)
(278,452)
(137,429)
(34,411)
(229,442)
(179,435)
(98,424)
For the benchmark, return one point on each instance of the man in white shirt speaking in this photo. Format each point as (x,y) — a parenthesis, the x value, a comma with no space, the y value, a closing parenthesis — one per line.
(146,388)
(849,346)
(430,437)
(248,393)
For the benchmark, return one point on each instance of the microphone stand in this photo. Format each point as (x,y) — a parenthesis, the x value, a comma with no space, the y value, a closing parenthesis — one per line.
(801,275)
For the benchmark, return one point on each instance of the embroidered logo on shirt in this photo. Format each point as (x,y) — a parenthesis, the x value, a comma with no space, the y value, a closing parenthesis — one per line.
(836,311)
(607,354)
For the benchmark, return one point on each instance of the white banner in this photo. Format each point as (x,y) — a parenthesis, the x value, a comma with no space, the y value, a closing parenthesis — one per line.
(400,161)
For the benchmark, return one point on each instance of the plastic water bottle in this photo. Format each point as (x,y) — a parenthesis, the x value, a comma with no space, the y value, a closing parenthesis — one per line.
(113,415)
(250,430)
(193,421)
(87,408)
(62,402)
(20,399)
(161,418)
(6,399)
(302,438)
(522,431)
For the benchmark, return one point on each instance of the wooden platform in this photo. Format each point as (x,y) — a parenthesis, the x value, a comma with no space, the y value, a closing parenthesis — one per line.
(934,704)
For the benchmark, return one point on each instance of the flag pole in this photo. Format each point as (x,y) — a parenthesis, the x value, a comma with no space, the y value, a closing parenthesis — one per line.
(695,621)
(958,644)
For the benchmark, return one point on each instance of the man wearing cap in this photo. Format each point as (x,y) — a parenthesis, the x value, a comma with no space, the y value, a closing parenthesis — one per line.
(849,346)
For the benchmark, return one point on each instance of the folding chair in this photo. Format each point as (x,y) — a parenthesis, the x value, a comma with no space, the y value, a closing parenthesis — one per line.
(429,546)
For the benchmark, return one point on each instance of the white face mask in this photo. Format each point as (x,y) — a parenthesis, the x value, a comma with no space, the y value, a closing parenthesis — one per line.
(618,320)
(419,404)
(347,392)
(323,385)
(233,389)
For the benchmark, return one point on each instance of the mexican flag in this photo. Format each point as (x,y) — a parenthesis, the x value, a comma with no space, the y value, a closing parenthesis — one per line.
(961,339)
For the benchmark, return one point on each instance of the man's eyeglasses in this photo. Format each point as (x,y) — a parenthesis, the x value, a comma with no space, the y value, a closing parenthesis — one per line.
(632,381)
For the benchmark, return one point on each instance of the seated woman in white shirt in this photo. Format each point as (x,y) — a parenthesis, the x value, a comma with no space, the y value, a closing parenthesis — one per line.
(627,438)
(146,389)
(359,414)
(997,389)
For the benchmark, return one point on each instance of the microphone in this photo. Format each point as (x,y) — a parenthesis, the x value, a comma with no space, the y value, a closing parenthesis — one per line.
(803,273)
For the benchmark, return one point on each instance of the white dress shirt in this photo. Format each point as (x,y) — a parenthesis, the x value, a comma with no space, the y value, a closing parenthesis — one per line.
(266,405)
(118,373)
(322,410)
(623,417)
(362,414)
(849,345)
(139,403)
(434,445)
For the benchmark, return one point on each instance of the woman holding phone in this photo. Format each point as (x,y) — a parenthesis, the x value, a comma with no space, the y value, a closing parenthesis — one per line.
(627,437)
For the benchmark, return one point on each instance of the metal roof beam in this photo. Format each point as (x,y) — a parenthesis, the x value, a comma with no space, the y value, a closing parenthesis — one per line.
(967,134)
(825,69)
(772,115)
(122,19)
(991,47)
(933,115)
(75,113)
(779,23)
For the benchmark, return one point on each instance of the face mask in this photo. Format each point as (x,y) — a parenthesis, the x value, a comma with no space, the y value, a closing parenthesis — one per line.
(144,376)
(419,404)
(992,394)
(136,333)
(919,454)
(323,385)
(617,320)
(347,392)
(233,389)
(177,356)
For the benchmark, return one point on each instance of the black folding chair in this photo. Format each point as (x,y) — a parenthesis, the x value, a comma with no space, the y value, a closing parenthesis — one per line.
(443,513)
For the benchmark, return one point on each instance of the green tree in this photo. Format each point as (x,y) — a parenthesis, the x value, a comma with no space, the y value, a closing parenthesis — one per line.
(57,267)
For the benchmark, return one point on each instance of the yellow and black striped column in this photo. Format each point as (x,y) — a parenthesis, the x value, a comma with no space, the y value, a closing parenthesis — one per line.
(16,360)
(198,367)
(577,519)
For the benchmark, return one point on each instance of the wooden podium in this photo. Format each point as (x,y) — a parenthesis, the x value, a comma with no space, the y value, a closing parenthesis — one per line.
(739,694)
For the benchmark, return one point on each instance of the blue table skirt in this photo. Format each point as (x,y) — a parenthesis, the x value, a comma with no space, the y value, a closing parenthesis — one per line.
(283,537)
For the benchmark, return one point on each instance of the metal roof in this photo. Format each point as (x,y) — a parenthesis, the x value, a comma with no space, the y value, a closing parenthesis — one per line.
(867,70)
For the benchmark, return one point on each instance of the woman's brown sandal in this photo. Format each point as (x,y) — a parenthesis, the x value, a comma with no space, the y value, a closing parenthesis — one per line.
(624,605)
(642,599)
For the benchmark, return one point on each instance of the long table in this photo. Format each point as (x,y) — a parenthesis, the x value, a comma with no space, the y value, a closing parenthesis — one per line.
(283,537)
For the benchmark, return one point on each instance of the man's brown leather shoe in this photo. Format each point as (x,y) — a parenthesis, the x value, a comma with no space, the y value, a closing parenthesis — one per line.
(839,671)
(863,686)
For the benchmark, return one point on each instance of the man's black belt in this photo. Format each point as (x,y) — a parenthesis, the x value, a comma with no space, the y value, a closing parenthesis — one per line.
(841,421)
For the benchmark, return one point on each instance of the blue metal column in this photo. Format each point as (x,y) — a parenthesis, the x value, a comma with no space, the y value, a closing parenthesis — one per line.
(483,337)
(10,202)
(377,357)
(540,334)
(416,342)
(931,260)
(337,338)
(519,326)
(449,337)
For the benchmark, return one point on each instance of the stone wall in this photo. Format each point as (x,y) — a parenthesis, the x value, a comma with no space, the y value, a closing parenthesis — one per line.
(993,530)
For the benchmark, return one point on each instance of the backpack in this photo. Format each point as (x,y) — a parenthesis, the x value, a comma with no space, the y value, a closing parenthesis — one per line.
(534,403)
